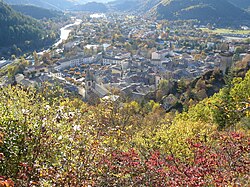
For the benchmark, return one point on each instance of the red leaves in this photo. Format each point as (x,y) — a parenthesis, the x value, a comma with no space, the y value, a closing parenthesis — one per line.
(155,161)
(1,156)
(225,163)
(126,161)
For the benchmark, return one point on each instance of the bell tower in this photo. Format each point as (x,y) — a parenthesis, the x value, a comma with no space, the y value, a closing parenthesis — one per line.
(89,84)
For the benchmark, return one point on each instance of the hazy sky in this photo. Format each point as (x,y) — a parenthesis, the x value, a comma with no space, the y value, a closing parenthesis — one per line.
(104,1)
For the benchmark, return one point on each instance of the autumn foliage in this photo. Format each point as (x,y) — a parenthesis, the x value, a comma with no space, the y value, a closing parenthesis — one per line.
(48,139)
(226,163)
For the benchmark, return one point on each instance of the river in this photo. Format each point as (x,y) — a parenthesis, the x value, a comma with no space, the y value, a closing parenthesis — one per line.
(65,31)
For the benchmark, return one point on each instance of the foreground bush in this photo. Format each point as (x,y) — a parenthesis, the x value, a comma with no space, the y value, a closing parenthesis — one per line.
(226,163)
(47,139)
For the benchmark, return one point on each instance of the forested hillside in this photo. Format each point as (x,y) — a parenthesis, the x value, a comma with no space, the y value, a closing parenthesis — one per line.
(36,12)
(91,7)
(21,32)
(213,11)
(47,139)
(245,4)
(221,12)
(48,4)
(133,5)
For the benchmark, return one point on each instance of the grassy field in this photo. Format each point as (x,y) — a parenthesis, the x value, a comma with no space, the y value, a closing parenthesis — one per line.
(226,31)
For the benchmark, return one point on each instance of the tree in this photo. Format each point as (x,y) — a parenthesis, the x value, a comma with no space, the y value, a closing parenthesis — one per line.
(239,49)
(200,85)
(46,58)
(36,59)
(236,57)
(13,57)
(51,138)
(181,85)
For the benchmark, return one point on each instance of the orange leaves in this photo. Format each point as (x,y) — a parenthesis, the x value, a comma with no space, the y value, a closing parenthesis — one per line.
(64,142)
(6,182)
(1,138)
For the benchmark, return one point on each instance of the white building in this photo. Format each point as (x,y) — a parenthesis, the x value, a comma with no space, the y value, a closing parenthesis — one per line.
(19,78)
(124,55)
(158,79)
(74,63)
(159,55)
(111,61)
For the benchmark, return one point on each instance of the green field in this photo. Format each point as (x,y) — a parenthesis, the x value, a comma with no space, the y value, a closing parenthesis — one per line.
(226,31)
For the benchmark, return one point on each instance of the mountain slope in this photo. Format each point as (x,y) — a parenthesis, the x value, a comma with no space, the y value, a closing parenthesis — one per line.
(213,11)
(91,7)
(36,12)
(124,5)
(241,3)
(204,10)
(48,4)
(244,4)
(133,5)
(21,31)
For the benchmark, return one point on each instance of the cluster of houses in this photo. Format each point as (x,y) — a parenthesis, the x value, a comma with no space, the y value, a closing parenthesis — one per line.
(131,75)
(136,76)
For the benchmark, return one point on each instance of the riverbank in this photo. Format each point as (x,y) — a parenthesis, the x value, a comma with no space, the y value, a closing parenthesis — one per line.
(65,31)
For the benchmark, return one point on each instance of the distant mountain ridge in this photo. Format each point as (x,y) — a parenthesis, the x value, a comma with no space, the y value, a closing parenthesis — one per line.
(133,5)
(221,12)
(91,7)
(48,4)
(244,4)
(36,12)
(214,11)
(54,4)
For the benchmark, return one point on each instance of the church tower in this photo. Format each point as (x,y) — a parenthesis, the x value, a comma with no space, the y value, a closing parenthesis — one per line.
(89,84)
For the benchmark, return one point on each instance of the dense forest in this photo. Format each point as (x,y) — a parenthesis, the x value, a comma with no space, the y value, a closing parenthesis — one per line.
(48,139)
(48,4)
(20,33)
(36,12)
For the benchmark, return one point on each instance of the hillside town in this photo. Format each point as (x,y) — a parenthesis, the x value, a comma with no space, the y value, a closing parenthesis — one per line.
(124,93)
(121,54)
